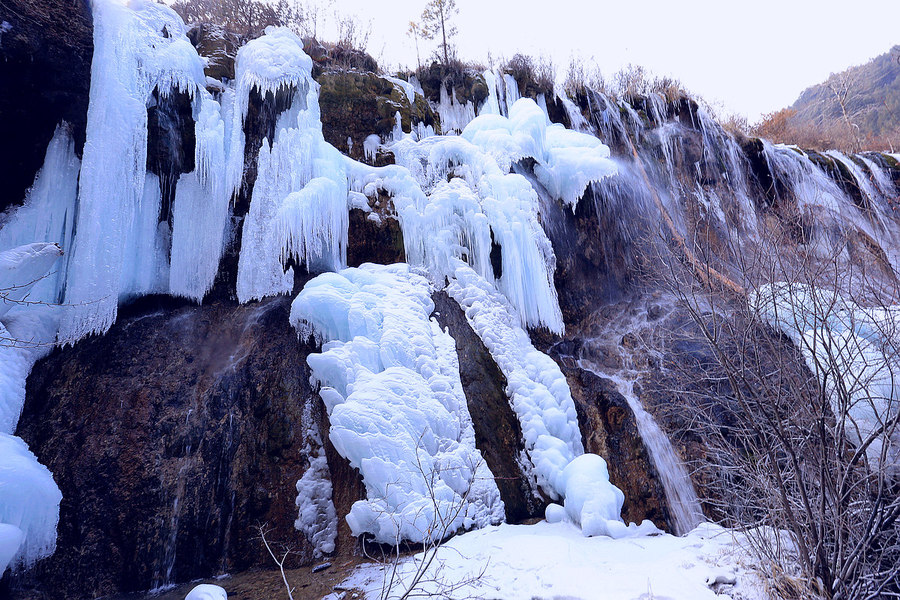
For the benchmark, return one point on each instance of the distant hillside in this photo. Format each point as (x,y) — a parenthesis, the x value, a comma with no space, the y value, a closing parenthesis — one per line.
(871,101)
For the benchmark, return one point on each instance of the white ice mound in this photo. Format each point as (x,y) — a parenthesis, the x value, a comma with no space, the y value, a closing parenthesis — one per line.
(207,591)
(22,268)
(593,502)
(390,382)
(29,500)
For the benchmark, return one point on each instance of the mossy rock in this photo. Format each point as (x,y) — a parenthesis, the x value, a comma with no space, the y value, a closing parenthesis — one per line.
(889,161)
(355,105)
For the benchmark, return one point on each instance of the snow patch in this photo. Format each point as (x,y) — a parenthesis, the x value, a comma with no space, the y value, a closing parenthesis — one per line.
(553,560)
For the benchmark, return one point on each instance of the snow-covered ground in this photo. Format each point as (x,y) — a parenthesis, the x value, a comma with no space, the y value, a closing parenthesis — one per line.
(555,560)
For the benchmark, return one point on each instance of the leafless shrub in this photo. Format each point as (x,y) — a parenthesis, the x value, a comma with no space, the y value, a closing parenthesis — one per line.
(780,417)
(283,551)
(423,573)
(538,74)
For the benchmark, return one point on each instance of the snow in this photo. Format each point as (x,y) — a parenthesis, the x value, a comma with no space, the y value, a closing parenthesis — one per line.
(207,591)
(29,501)
(553,560)
(390,382)
(408,88)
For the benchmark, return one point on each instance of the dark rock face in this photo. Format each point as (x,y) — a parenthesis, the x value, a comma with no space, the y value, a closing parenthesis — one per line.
(218,46)
(375,236)
(454,77)
(497,432)
(595,256)
(172,438)
(170,144)
(45,75)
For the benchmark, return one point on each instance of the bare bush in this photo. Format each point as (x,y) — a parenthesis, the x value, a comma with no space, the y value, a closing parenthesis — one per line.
(582,76)
(423,574)
(794,400)
(531,74)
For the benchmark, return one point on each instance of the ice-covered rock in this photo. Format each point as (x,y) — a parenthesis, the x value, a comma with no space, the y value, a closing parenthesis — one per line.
(390,383)
(138,48)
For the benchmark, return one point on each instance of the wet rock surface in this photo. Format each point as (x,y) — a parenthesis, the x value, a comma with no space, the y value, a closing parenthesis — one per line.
(46,48)
(497,432)
(355,105)
(172,438)
(375,236)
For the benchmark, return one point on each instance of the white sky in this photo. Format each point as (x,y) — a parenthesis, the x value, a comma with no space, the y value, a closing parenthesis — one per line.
(750,57)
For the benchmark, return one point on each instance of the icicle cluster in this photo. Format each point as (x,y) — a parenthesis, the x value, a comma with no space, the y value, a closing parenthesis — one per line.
(299,205)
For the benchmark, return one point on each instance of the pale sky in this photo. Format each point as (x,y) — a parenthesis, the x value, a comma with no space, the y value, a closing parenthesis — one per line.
(750,57)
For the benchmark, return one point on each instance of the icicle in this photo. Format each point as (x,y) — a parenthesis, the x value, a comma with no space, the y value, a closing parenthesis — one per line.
(137,49)
(48,214)
(200,213)
(312,220)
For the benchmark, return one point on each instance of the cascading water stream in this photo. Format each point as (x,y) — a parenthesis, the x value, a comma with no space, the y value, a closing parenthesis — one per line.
(684,505)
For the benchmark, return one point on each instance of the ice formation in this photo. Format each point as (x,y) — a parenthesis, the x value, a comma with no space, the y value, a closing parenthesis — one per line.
(29,501)
(47,215)
(207,591)
(852,350)
(390,382)
(299,204)
(11,538)
(27,325)
(137,49)
(456,199)
(200,212)
(455,115)
(537,389)
(317,519)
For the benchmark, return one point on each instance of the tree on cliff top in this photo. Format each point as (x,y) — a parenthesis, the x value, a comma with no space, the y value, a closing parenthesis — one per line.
(436,19)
